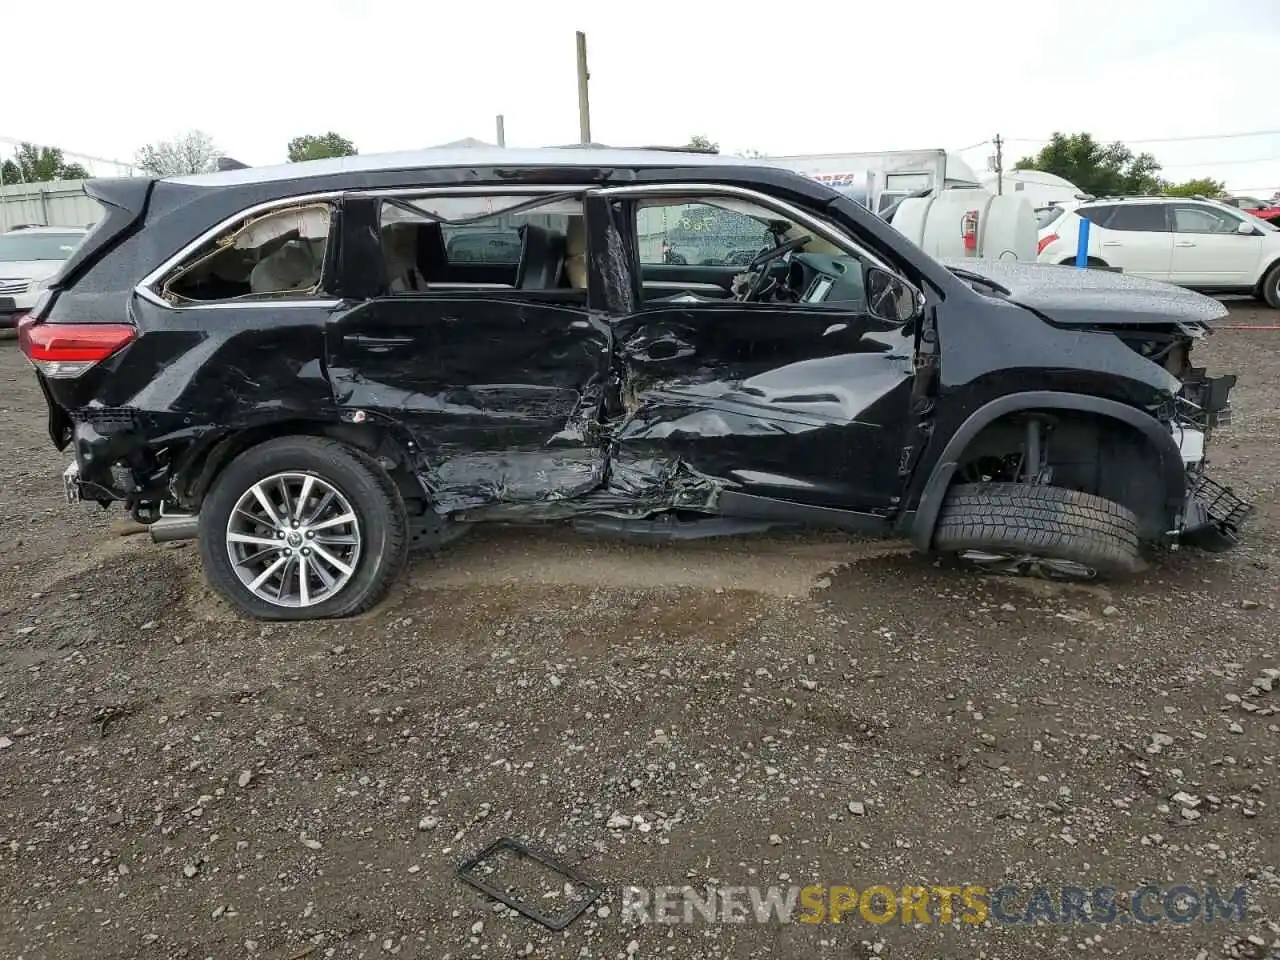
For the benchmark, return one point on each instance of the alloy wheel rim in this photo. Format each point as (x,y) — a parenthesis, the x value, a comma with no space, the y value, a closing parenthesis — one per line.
(293,540)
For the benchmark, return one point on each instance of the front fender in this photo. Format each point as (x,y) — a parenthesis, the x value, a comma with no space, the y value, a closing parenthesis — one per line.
(919,525)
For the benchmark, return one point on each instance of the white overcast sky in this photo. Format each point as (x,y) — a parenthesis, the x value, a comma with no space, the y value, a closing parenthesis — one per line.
(102,79)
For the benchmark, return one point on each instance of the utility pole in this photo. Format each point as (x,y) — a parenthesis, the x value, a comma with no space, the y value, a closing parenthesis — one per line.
(999,165)
(584,108)
(502,131)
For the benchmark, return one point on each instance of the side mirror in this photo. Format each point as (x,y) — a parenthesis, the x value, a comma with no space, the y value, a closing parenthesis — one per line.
(1246,229)
(890,298)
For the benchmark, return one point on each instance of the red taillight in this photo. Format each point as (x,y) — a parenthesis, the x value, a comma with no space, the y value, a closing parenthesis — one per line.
(69,349)
(1047,239)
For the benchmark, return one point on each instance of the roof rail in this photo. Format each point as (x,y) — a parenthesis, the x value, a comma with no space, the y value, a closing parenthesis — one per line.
(665,149)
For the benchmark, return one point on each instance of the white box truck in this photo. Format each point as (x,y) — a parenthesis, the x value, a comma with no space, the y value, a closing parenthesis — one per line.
(958,218)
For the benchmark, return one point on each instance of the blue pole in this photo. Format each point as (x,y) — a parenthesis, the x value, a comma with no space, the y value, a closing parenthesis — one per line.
(1082,244)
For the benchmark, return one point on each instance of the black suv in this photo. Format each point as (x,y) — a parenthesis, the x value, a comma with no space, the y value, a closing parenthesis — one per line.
(286,363)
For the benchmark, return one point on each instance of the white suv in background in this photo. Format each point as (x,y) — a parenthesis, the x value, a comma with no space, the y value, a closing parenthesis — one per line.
(1201,244)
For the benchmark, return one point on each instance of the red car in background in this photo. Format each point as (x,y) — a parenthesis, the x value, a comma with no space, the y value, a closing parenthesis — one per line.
(1263,209)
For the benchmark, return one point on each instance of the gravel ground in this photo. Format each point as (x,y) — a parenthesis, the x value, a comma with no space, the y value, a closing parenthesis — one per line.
(177,782)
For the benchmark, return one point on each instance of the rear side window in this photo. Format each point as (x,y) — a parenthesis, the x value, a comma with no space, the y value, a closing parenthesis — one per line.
(279,254)
(1046,216)
(1139,217)
(1098,215)
(464,245)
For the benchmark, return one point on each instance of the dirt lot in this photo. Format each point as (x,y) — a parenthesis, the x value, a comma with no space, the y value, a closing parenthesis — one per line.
(176,782)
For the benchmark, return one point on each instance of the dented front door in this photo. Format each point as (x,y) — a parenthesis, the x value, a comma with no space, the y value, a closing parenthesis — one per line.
(499,392)
(789,401)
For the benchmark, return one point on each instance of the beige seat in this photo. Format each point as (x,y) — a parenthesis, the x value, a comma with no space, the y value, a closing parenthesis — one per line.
(575,261)
(289,268)
(400,251)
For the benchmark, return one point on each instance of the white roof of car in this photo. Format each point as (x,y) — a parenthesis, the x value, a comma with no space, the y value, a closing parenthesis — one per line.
(1109,201)
(465,157)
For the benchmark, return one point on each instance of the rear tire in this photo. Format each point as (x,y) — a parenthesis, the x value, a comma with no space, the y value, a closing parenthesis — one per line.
(373,546)
(1271,287)
(1051,531)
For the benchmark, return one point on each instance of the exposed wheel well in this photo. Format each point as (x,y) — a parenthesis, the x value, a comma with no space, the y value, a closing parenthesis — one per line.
(1080,451)
(197,474)
(1091,261)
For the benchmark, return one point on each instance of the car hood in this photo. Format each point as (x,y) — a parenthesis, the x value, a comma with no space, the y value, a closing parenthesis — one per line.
(28,269)
(1072,297)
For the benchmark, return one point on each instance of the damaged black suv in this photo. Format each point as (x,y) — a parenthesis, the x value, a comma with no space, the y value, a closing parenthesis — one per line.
(311,367)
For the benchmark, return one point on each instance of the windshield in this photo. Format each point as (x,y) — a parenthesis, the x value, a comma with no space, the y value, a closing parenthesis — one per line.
(15,247)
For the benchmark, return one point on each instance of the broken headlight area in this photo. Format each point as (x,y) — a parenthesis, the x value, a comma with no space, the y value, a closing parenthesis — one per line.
(1213,516)
(1204,400)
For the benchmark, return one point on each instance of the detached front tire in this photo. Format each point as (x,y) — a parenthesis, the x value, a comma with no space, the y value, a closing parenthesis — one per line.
(1028,528)
(303,528)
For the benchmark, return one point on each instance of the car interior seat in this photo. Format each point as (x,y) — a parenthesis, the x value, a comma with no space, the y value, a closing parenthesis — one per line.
(399,251)
(542,258)
(292,267)
(575,253)
(433,260)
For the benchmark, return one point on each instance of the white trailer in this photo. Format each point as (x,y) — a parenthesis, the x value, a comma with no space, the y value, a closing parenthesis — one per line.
(960,218)
(878,180)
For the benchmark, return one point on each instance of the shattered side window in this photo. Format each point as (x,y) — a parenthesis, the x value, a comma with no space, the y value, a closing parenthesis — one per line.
(700,234)
(275,255)
(482,241)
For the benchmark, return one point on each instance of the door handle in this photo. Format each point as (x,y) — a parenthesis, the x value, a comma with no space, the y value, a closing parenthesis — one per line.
(1184,243)
(1112,243)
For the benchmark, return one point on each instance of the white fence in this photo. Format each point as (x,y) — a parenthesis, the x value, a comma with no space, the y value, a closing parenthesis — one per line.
(60,203)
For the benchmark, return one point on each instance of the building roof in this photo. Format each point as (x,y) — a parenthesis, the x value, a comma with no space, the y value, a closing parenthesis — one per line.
(439,157)
(467,142)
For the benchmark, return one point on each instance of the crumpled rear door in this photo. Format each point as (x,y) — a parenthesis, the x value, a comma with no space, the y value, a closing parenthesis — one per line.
(499,392)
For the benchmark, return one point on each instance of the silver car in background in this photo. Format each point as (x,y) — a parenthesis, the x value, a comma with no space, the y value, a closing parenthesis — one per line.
(28,257)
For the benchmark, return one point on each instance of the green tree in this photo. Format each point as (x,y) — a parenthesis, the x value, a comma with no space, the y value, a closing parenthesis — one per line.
(1104,170)
(193,152)
(702,144)
(32,163)
(318,147)
(1199,187)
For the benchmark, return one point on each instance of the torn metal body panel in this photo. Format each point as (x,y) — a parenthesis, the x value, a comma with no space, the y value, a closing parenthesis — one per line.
(515,337)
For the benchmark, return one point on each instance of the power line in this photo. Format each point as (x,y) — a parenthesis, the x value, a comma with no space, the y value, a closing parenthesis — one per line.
(1218,163)
(1187,139)
(66,151)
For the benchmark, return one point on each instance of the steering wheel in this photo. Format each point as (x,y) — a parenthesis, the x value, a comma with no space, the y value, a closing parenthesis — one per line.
(757,264)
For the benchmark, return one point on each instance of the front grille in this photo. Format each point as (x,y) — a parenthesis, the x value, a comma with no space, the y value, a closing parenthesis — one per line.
(1222,505)
(14,286)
